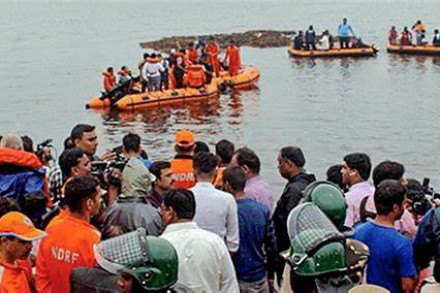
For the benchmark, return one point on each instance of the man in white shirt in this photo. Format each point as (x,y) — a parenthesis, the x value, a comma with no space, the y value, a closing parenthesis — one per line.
(152,72)
(324,42)
(204,261)
(355,173)
(216,211)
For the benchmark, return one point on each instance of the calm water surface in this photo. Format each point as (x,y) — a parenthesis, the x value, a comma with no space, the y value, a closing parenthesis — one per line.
(52,53)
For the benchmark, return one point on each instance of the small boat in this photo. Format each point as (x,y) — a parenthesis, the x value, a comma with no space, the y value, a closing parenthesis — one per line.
(427,50)
(246,78)
(168,97)
(336,52)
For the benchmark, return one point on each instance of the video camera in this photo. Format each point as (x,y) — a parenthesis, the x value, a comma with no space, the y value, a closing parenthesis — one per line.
(104,170)
(429,190)
(421,195)
(44,150)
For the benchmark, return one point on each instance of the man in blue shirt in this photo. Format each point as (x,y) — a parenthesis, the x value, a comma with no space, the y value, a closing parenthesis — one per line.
(344,31)
(298,42)
(258,248)
(310,38)
(391,254)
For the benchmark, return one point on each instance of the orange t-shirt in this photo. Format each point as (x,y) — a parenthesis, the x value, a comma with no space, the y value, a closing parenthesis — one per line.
(14,278)
(212,49)
(183,172)
(69,244)
(193,55)
(58,218)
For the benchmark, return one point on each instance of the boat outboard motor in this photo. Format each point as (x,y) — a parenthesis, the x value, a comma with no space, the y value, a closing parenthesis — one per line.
(317,249)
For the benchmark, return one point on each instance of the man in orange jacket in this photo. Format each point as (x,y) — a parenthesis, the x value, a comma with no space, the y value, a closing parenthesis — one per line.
(233,58)
(69,243)
(16,235)
(212,50)
(182,164)
(192,54)
(109,79)
(195,77)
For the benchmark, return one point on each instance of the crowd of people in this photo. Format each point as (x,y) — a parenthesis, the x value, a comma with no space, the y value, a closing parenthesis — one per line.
(193,66)
(207,221)
(415,37)
(310,41)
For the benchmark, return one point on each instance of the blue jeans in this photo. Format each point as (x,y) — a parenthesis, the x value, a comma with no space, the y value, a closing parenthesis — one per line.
(154,83)
(343,42)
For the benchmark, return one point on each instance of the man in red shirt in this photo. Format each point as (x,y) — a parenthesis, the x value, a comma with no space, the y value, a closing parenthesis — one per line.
(70,241)
(16,235)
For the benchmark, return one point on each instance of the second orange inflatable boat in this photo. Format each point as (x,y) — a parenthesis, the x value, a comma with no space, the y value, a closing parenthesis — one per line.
(427,50)
(351,52)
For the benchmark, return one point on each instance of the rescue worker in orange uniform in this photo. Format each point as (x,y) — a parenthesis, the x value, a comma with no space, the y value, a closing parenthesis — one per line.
(233,58)
(192,54)
(109,79)
(212,50)
(16,235)
(195,76)
(69,243)
(177,69)
(182,164)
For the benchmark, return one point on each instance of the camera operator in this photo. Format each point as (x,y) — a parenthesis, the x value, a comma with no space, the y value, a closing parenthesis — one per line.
(84,136)
(53,170)
(137,178)
(427,239)
(128,213)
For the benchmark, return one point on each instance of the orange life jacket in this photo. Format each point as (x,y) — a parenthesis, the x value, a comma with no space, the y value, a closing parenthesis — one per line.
(153,60)
(24,159)
(193,55)
(19,158)
(196,77)
(183,172)
(109,81)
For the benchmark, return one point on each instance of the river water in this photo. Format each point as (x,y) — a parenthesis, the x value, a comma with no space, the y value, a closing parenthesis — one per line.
(52,53)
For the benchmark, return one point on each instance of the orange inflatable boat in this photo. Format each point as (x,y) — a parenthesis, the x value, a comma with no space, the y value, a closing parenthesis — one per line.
(336,52)
(167,97)
(246,78)
(427,50)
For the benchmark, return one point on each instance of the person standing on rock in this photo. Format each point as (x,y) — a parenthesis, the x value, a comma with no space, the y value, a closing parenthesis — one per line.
(233,58)
(212,50)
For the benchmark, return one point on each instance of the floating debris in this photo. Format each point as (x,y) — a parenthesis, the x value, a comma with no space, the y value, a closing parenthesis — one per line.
(255,38)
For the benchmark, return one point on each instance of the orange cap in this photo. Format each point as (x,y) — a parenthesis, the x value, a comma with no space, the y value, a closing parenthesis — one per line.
(184,138)
(18,225)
